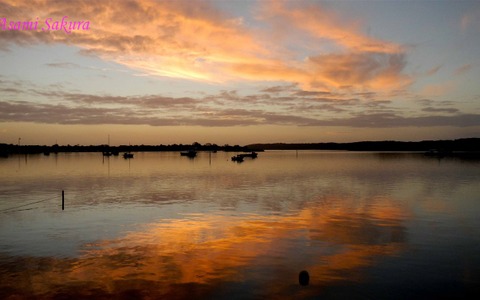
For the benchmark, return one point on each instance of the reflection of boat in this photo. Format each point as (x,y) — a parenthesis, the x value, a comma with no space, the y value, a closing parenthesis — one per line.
(189,153)
(127,155)
(238,158)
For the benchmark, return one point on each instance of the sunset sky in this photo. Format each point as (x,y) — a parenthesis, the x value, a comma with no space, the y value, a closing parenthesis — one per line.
(239,72)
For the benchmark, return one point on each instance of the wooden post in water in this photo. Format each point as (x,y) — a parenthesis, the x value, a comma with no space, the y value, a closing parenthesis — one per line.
(63,200)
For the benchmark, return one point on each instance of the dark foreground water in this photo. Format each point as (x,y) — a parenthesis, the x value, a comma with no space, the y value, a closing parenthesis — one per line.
(161,226)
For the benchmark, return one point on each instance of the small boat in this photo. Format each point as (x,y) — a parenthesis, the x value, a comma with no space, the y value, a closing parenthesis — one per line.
(107,153)
(46,153)
(238,158)
(127,155)
(437,153)
(189,153)
(252,155)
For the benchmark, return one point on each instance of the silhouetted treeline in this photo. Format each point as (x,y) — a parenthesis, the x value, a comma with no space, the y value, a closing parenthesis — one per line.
(6,149)
(469,144)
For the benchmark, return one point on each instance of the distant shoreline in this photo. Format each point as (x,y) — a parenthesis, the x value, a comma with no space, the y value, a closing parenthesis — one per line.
(444,146)
(9,149)
(466,144)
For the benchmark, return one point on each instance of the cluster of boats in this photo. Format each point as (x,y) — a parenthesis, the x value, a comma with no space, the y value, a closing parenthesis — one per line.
(236,158)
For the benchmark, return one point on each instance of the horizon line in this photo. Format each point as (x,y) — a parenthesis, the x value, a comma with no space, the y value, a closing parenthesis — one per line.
(237,145)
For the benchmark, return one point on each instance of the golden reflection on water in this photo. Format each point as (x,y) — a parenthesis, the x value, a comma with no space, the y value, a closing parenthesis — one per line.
(161,226)
(216,255)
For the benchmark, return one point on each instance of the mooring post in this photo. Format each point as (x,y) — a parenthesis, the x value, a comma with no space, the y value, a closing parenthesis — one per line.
(63,200)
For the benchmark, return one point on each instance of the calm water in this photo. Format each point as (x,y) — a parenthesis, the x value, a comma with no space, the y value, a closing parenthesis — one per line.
(364,225)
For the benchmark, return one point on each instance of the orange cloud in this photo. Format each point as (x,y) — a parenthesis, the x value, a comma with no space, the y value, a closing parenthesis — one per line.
(374,70)
(196,41)
(324,24)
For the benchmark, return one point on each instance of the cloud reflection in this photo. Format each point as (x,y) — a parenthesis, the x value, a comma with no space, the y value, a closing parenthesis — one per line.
(216,255)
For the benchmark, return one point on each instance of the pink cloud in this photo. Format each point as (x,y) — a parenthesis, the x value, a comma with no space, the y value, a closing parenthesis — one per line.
(470,20)
(463,69)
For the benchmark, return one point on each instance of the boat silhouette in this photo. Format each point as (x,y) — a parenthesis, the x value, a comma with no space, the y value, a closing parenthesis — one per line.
(237,158)
(189,153)
(251,155)
(127,155)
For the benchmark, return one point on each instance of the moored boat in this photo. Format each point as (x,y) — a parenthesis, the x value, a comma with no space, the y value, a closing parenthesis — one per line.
(189,153)
(127,155)
(237,158)
(251,155)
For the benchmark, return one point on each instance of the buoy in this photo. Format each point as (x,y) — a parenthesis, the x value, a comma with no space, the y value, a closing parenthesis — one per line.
(303,278)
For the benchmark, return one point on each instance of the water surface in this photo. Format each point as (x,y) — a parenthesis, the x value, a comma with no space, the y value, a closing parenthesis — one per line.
(364,225)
